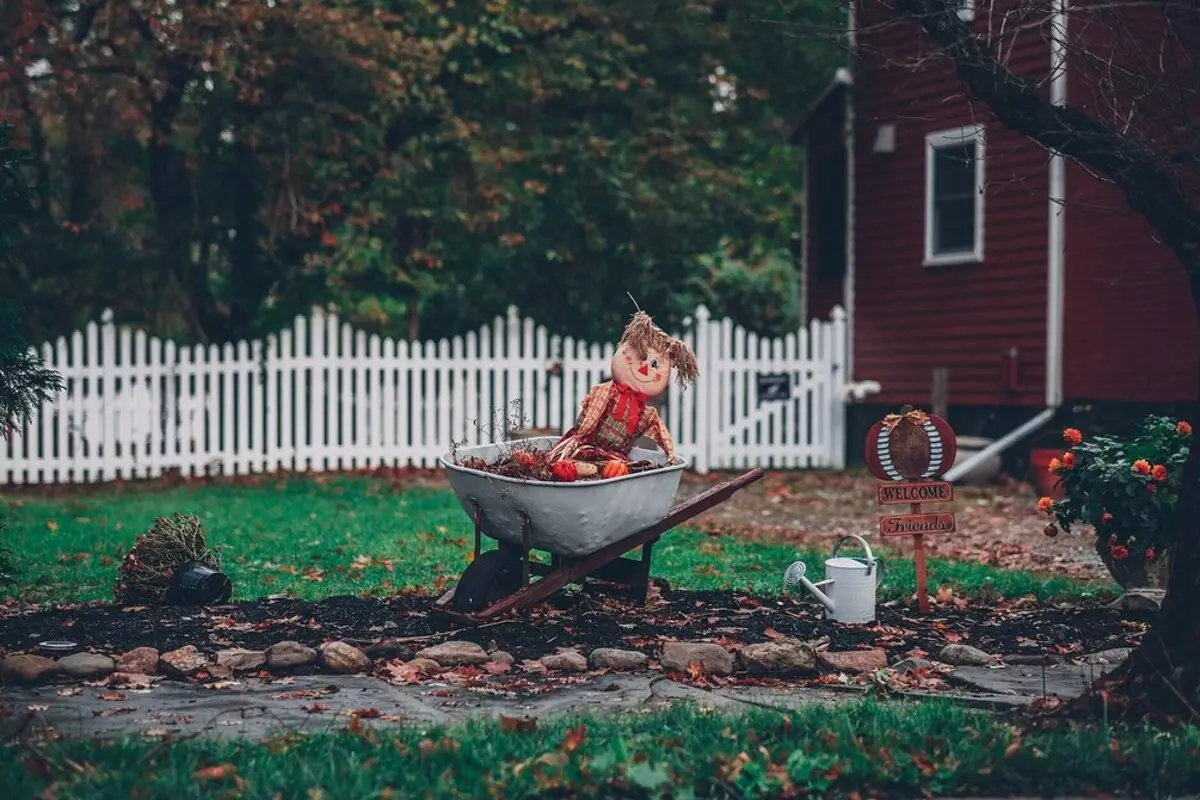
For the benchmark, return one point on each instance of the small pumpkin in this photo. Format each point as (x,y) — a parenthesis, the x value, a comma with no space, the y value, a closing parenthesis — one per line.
(564,471)
(615,469)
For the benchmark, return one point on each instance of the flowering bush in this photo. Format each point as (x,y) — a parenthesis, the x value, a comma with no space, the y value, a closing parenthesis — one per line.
(1126,488)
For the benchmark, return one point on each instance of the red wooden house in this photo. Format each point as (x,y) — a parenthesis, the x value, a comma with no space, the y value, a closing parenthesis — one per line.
(955,243)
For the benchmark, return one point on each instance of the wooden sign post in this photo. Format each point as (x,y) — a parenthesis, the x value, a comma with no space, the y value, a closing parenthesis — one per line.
(910,451)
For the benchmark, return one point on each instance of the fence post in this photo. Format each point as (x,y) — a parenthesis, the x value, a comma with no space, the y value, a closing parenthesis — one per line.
(705,391)
(837,381)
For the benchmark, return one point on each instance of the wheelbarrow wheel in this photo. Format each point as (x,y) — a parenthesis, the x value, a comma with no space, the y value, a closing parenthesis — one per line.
(495,574)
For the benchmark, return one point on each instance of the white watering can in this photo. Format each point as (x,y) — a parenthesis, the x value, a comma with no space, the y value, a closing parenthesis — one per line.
(850,583)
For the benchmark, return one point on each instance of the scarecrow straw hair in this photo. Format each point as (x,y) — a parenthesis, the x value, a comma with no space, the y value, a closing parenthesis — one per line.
(642,334)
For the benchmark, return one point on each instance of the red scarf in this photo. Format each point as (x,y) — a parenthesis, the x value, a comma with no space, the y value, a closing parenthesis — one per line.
(630,403)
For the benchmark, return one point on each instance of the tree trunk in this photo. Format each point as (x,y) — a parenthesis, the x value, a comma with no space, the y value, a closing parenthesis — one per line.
(1163,673)
(414,317)
(172,190)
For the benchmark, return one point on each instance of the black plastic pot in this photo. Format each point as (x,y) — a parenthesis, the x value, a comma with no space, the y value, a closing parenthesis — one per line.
(196,584)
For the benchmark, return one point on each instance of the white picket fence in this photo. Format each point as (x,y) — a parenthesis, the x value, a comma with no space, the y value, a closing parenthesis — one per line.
(323,397)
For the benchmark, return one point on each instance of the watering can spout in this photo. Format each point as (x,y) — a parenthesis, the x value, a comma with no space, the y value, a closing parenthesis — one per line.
(795,576)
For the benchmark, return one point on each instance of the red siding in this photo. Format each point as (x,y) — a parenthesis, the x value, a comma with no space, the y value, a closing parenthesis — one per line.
(1130,327)
(910,318)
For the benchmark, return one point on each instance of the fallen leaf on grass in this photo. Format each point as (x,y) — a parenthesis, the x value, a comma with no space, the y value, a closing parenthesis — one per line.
(364,713)
(575,737)
(315,708)
(110,696)
(70,691)
(515,724)
(215,772)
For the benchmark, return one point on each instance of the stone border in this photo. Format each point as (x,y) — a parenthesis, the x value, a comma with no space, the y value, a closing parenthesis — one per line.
(779,658)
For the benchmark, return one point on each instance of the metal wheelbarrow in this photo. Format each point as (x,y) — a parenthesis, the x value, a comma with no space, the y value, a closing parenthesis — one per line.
(585,526)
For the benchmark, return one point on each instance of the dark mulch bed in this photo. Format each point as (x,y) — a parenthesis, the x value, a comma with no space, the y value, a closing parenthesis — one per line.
(583,620)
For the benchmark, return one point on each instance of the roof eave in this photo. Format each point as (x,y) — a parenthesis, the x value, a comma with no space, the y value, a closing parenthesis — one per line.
(842,80)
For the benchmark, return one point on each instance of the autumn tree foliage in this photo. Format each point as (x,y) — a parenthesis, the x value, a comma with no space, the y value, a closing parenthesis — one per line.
(1131,119)
(214,168)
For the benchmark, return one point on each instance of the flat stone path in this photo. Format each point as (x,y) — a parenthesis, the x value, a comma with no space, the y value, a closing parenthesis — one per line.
(255,709)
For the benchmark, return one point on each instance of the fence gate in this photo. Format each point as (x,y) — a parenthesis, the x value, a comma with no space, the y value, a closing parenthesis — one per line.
(322,396)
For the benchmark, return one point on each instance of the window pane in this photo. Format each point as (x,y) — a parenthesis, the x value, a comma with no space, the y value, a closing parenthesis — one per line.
(954,225)
(954,171)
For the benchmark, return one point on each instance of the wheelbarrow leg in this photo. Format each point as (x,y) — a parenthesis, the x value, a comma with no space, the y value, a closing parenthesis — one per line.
(478,517)
(525,537)
(644,589)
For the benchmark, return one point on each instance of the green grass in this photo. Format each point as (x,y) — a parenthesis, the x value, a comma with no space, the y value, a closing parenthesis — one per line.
(317,538)
(898,750)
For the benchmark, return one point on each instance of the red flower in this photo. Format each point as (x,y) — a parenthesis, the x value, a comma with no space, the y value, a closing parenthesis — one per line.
(1142,466)
(1072,436)
(1106,517)
(1119,552)
(1183,429)
(1149,554)
(1045,505)
(1159,473)
(1055,465)
(1068,459)
(1151,487)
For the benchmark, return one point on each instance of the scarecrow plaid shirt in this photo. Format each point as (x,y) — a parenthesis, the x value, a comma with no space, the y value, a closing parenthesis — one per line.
(599,427)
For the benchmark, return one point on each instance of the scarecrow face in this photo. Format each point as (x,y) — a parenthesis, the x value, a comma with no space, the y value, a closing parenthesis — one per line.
(649,374)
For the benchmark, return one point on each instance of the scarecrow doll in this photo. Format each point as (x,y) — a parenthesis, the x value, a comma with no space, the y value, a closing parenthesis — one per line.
(614,414)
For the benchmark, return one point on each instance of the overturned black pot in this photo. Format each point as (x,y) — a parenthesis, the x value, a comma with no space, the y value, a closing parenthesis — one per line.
(197,584)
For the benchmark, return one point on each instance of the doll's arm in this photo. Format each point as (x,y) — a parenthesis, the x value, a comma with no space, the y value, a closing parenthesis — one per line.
(657,430)
(591,410)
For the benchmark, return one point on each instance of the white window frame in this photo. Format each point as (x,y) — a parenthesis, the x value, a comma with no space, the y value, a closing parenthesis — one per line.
(966,10)
(955,137)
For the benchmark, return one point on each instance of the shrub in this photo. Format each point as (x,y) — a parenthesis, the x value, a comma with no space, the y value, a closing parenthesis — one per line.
(762,294)
(1127,488)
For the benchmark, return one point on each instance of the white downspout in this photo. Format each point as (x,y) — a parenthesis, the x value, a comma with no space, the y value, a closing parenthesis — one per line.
(1000,445)
(848,139)
(1055,261)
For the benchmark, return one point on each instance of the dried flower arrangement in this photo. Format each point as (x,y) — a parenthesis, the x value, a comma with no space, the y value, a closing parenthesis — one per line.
(148,573)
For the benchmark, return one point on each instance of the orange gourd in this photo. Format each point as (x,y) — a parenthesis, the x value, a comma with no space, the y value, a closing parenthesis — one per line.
(615,469)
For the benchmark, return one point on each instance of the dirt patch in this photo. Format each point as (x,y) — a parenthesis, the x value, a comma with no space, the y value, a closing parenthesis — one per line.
(585,620)
(997,525)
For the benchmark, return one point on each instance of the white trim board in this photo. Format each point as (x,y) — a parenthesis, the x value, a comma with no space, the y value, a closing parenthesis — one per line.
(955,137)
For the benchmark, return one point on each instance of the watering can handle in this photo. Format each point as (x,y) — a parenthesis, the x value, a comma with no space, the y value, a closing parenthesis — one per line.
(876,563)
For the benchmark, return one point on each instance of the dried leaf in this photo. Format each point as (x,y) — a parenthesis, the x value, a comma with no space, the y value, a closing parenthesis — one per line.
(215,772)
(515,724)
(574,738)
